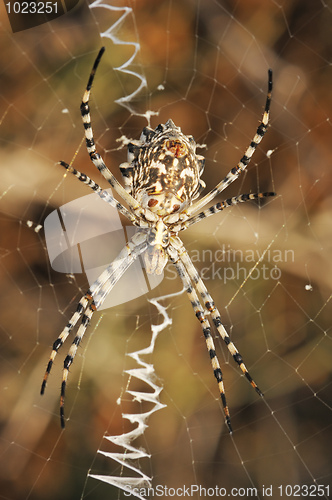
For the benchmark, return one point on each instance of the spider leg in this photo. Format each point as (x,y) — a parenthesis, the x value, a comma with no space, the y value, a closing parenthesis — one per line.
(96,296)
(99,291)
(86,318)
(104,195)
(80,310)
(199,312)
(215,314)
(220,206)
(91,147)
(243,163)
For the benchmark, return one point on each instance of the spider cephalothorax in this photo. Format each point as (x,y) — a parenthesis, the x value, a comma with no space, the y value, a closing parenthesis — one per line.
(163,170)
(162,179)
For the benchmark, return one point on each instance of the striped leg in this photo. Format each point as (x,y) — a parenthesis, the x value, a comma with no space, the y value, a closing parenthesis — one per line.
(104,195)
(86,318)
(243,163)
(80,310)
(215,314)
(218,207)
(99,291)
(90,143)
(88,304)
(199,312)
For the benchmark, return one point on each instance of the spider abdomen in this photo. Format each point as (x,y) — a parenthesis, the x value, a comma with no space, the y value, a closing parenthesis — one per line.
(163,170)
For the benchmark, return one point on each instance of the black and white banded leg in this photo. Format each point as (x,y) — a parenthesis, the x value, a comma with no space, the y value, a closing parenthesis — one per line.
(206,327)
(215,314)
(90,143)
(234,173)
(104,195)
(88,304)
(218,207)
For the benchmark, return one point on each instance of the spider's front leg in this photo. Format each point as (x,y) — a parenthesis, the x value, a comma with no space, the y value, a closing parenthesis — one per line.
(234,173)
(95,157)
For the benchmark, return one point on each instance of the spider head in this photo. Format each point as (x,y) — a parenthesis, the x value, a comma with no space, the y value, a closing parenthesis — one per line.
(163,170)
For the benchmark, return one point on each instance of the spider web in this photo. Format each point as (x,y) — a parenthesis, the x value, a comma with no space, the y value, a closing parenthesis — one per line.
(268,266)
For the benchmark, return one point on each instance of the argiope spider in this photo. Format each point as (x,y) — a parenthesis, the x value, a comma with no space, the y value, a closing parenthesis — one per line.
(162,178)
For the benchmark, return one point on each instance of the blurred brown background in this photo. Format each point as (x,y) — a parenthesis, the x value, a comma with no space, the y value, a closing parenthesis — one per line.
(206,67)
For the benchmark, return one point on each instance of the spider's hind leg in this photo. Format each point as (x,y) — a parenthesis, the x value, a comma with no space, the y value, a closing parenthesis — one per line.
(215,314)
(88,304)
(81,307)
(199,312)
(86,318)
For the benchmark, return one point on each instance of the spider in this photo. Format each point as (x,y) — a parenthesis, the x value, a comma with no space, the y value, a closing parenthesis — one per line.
(162,178)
